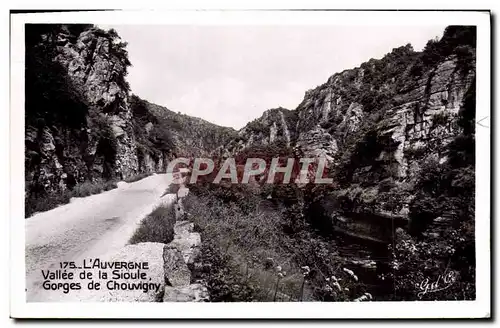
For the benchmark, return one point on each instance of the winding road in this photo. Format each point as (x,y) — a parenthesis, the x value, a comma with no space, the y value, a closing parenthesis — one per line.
(87,227)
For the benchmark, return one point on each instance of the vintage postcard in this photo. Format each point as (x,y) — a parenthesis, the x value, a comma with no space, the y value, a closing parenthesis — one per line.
(250,164)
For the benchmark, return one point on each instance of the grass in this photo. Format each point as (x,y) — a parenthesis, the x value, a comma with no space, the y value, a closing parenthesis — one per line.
(43,202)
(250,253)
(156,227)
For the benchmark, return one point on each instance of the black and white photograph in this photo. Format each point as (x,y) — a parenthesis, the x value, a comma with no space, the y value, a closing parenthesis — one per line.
(288,160)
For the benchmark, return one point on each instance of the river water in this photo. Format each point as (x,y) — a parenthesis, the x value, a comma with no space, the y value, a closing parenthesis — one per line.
(370,262)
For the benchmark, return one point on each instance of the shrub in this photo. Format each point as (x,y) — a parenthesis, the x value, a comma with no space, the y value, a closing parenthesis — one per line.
(156,227)
(224,282)
(416,261)
(88,188)
(42,201)
(440,119)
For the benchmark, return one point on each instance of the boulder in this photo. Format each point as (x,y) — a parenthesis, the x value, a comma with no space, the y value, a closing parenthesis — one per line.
(183,192)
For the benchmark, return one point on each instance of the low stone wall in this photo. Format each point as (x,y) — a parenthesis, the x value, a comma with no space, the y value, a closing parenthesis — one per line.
(188,243)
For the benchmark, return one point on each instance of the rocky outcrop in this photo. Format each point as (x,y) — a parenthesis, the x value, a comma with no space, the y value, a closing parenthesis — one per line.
(274,126)
(317,143)
(96,62)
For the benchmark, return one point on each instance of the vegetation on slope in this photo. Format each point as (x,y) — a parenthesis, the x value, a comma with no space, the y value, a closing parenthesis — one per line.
(251,252)
(157,227)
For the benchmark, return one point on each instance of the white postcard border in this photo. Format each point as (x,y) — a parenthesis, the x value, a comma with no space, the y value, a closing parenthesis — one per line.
(443,309)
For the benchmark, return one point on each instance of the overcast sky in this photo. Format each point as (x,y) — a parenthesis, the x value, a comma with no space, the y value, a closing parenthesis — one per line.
(231,75)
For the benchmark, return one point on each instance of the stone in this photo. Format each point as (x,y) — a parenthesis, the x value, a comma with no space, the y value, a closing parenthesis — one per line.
(367,264)
(182,192)
(272,132)
(284,127)
(118,125)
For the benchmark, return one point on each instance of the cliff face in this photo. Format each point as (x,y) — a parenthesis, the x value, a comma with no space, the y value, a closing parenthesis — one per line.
(77,113)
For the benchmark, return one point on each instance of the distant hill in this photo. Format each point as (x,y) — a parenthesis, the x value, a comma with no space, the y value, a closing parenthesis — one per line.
(189,136)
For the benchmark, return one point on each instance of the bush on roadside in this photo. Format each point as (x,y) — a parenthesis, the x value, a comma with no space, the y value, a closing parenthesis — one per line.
(88,188)
(156,227)
(43,202)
